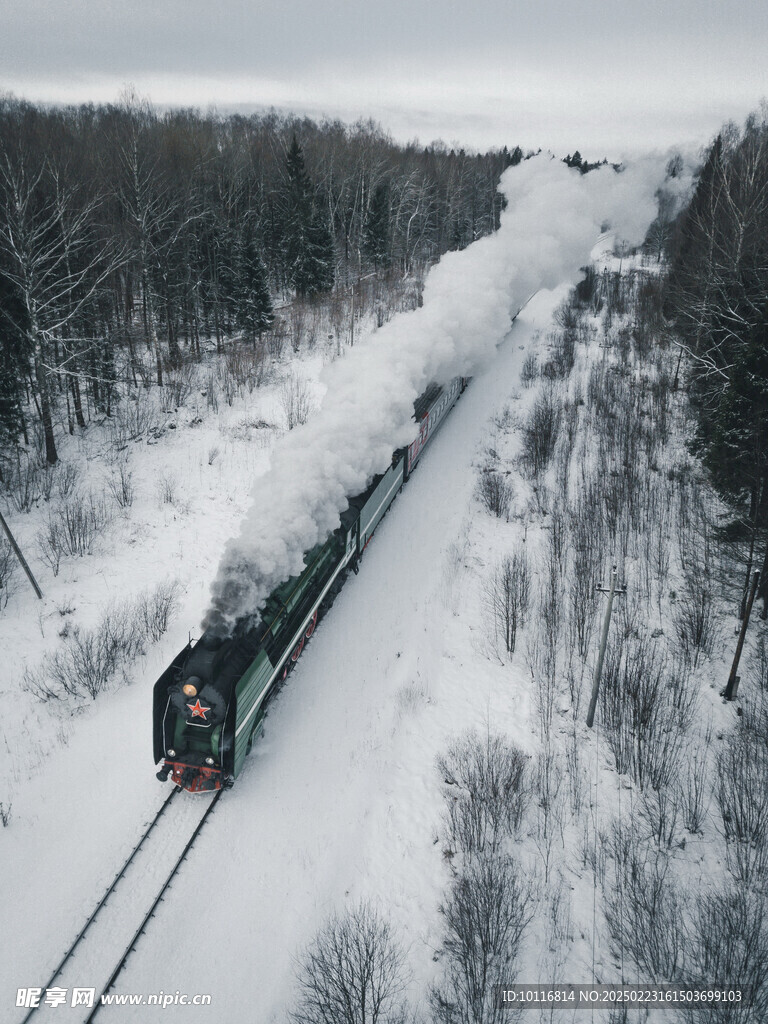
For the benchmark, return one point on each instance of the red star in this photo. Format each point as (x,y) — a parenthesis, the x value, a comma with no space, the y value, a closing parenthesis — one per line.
(197,709)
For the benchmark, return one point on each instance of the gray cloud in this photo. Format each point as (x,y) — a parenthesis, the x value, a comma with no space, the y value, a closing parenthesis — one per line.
(612,73)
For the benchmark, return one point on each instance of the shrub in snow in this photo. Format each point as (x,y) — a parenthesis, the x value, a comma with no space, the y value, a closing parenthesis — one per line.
(72,528)
(494,493)
(155,609)
(550,804)
(695,789)
(8,569)
(23,485)
(88,659)
(729,939)
(742,798)
(296,401)
(179,385)
(695,621)
(645,911)
(540,432)
(563,357)
(168,493)
(67,476)
(121,485)
(133,418)
(529,371)
(491,780)
(643,726)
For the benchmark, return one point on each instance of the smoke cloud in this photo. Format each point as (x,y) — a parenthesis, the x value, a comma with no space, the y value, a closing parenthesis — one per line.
(553,219)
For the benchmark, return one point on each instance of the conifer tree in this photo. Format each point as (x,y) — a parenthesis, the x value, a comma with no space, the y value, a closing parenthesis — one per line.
(376,237)
(719,305)
(13,360)
(309,251)
(254,312)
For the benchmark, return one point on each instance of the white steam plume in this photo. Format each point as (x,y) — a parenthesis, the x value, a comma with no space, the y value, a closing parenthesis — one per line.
(553,218)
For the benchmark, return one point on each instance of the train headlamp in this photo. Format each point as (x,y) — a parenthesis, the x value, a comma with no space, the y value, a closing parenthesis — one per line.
(189,690)
(171,753)
(209,760)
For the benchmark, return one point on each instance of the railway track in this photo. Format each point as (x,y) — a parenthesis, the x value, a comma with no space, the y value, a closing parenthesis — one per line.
(99,952)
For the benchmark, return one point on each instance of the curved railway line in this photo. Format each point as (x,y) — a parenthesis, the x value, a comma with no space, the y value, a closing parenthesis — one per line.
(99,952)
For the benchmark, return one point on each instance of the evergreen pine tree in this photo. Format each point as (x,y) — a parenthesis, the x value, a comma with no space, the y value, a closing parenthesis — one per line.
(376,233)
(13,356)
(457,235)
(253,311)
(732,436)
(309,251)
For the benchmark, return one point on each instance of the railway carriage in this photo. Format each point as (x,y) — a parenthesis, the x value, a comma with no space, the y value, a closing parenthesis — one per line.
(210,702)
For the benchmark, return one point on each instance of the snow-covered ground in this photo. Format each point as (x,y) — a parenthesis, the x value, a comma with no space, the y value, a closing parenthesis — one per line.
(340,799)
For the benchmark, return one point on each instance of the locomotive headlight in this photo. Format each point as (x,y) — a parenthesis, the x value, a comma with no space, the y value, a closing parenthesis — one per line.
(209,760)
(171,753)
(189,690)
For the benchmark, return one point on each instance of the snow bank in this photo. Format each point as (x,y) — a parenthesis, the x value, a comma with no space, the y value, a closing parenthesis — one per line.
(552,220)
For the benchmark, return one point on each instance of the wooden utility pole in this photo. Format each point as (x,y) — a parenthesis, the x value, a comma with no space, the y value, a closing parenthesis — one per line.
(732,685)
(21,558)
(352,323)
(611,591)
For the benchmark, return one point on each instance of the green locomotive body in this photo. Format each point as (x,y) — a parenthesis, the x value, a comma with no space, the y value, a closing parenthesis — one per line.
(210,702)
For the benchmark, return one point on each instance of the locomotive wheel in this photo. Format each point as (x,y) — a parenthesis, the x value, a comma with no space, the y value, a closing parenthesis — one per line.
(298,650)
(311,627)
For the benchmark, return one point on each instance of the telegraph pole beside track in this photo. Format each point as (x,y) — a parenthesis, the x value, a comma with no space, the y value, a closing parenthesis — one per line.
(732,685)
(21,558)
(611,591)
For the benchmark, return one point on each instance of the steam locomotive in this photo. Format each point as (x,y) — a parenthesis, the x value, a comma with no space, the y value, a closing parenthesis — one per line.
(209,704)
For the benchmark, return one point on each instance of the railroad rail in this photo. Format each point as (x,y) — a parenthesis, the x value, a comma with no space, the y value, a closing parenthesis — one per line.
(101,959)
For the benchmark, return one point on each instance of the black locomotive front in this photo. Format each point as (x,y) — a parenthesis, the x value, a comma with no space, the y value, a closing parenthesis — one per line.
(192,700)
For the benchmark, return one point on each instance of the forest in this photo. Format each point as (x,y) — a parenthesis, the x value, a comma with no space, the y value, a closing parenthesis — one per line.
(717,310)
(133,240)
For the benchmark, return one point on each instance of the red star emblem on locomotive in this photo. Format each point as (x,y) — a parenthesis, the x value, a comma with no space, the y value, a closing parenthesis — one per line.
(197,709)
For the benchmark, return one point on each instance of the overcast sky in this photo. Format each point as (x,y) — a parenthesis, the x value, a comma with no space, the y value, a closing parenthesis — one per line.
(604,76)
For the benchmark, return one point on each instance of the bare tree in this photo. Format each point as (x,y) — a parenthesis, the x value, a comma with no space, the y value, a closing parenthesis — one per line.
(53,258)
(695,789)
(508,594)
(485,916)
(646,913)
(540,432)
(742,797)
(494,493)
(729,940)
(548,780)
(638,711)
(352,973)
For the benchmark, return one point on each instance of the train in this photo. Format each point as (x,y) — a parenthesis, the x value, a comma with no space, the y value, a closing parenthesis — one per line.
(209,704)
